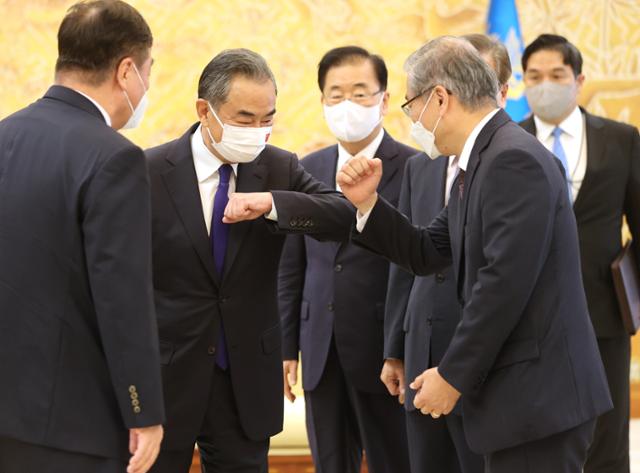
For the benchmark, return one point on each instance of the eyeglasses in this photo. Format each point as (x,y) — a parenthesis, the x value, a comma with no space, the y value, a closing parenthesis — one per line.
(406,107)
(361,98)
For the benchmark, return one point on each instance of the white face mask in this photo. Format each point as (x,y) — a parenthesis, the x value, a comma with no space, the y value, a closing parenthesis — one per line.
(137,113)
(351,122)
(239,144)
(425,138)
(550,101)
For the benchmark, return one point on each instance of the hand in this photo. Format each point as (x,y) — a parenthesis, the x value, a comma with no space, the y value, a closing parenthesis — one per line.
(359,179)
(247,206)
(435,396)
(290,375)
(392,375)
(144,445)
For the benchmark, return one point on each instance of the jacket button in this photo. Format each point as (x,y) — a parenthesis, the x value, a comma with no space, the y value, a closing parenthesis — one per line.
(440,278)
(135,403)
(338,268)
(224,300)
(330,307)
(293,222)
(136,409)
(429,321)
(211,350)
(132,389)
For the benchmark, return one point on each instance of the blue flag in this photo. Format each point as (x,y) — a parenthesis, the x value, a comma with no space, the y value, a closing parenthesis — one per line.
(504,25)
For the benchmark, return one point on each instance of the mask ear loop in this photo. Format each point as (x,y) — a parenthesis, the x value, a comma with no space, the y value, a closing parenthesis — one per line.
(219,121)
(426,104)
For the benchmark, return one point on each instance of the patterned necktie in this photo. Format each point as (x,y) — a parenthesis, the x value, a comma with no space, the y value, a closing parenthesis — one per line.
(219,235)
(558,150)
(460,183)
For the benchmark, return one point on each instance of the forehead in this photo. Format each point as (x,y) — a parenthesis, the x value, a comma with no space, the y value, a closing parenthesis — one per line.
(251,94)
(546,59)
(350,74)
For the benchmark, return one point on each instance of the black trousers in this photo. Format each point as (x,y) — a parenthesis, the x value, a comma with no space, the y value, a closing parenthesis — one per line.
(565,452)
(439,445)
(609,452)
(342,421)
(223,446)
(21,457)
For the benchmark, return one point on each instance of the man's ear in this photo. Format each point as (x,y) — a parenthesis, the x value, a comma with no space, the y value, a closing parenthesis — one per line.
(384,109)
(124,69)
(202,110)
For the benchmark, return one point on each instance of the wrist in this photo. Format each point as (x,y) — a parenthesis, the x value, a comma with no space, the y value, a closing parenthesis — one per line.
(368,204)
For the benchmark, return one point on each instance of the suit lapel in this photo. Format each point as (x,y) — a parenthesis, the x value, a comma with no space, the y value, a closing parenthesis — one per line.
(594,128)
(482,141)
(252,177)
(182,185)
(387,152)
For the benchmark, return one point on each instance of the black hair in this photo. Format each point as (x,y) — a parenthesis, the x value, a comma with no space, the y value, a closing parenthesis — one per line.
(345,54)
(570,54)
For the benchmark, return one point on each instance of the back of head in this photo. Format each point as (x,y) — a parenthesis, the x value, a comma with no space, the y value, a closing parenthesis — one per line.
(96,35)
(551,42)
(494,49)
(456,65)
(350,54)
(215,80)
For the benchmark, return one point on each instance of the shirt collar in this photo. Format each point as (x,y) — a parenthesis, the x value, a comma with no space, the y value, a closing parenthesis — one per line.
(105,115)
(572,125)
(368,151)
(205,162)
(471,140)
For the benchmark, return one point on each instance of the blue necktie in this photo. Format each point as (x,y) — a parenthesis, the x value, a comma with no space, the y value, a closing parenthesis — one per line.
(219,235)
(558,150)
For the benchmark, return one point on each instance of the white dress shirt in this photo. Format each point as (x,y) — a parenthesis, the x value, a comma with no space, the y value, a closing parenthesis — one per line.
(574,143)
(207,167)
(105,115)
(368,152)
(454,164)
(452,172)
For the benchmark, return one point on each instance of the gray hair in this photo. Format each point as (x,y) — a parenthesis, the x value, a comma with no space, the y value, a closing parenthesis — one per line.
(454,64)
(216,78)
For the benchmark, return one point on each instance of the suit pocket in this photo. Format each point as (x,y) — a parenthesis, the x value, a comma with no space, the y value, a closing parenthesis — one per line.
(166,352)
(271,340)
(517,352)
(304,310)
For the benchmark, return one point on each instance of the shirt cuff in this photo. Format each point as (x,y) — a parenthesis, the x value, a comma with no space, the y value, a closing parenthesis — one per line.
(273,215)
(361,220)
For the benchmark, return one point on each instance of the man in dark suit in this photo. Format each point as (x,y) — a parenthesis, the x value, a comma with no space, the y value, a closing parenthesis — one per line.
(524,357)
(602,165)
(423,312)
(216,282)
(332,295)
(81,387)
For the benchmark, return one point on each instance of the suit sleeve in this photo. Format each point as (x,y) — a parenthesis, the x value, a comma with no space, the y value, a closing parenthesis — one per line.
(518,209)
(290,284)
(309,207)
(399,285)
(632,197)
(418,250)
(117,238)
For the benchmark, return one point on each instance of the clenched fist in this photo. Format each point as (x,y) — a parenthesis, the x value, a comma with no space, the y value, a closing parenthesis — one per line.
(359,179)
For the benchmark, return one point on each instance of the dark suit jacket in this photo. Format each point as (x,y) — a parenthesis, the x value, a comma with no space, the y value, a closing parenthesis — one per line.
(610,189)
(524,355)
(422,312)
(77,325)
(338,290)
(191,299)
